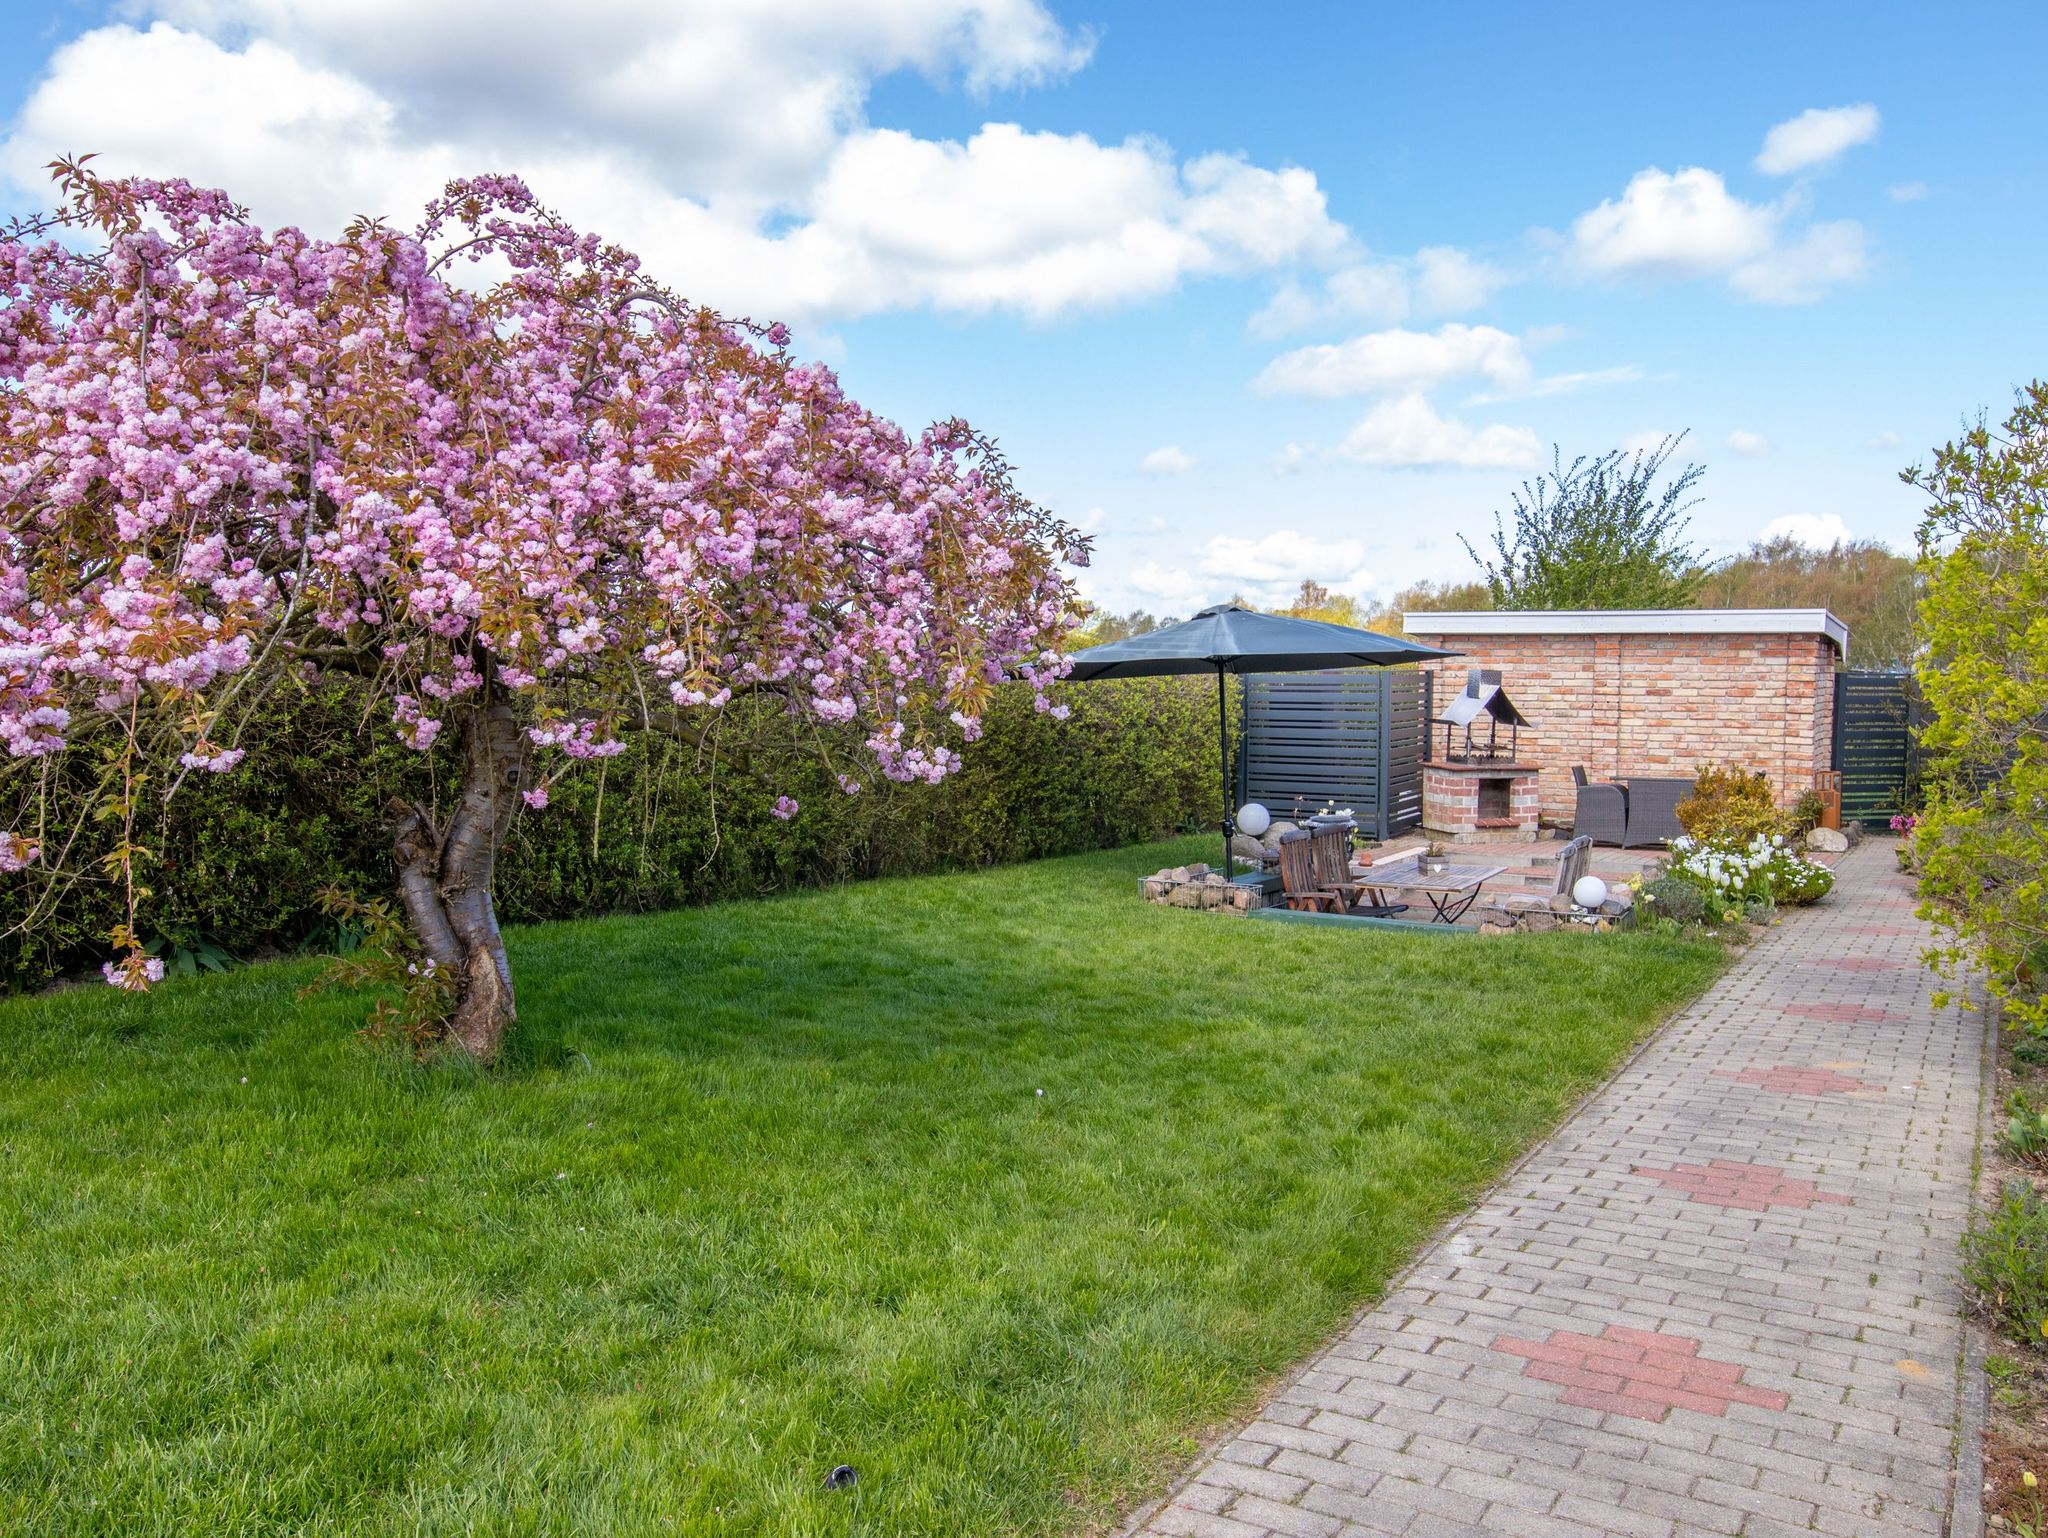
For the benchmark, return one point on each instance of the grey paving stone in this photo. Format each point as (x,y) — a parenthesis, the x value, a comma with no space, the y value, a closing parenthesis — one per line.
(1412,1424)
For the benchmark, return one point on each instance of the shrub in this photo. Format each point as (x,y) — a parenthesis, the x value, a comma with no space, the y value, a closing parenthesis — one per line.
(2005,1259)
(236,861)
(2026,1129)
(1764,870)
(1806,813)
(1667,897)
(1730,805)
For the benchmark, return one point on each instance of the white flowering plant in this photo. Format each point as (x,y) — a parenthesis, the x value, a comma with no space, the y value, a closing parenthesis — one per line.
(1732,874)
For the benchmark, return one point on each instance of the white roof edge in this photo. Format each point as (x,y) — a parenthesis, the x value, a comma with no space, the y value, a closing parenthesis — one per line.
(1455,622)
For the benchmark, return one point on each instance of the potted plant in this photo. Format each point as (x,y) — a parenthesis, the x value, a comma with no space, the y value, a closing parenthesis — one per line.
(1433,861)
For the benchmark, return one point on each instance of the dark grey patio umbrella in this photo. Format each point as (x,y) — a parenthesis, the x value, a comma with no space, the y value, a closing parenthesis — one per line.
(1232,639)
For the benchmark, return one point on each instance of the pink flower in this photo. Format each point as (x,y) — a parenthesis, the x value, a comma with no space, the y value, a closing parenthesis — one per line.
(535,798)
(17,852)
(133,972)
(783,808)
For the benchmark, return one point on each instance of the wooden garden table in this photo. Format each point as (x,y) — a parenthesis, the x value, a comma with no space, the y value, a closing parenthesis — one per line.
(1451,891)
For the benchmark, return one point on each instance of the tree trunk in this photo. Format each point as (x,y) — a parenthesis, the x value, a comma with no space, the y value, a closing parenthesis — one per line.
(444,877)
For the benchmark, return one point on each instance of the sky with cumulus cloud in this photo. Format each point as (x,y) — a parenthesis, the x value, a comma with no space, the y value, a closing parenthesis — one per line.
(1253,295)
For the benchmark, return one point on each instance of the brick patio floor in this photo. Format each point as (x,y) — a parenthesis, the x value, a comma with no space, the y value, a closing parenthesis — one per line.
(1721,1300)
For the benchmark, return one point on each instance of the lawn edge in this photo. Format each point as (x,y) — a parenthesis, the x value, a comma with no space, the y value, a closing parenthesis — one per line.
(1136,1518)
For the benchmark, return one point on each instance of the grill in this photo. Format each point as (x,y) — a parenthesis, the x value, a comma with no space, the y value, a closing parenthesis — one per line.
(1484,703)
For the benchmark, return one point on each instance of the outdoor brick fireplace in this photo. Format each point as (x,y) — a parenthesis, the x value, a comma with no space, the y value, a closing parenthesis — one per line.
(1474,786)
(1491,801)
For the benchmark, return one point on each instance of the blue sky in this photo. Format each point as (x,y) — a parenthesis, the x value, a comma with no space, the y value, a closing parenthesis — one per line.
(1253,299)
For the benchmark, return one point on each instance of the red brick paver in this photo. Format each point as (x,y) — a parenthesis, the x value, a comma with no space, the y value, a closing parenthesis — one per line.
(1787,1079)
(1765,1204)
(1752,1187)
(1637,1372)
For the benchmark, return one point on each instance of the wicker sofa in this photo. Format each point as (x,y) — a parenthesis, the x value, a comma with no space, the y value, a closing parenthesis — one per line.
(1630,814)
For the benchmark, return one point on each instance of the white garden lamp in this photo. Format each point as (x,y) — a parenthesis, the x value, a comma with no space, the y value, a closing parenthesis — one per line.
(1253,819)
(1589,891)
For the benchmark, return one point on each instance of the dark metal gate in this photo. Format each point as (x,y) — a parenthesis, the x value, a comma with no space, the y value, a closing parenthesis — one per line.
(1876,722)
(1351,738)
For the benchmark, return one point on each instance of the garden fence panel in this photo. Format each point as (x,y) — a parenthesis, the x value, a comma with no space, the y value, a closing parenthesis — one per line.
(1876,723)
(1350,738)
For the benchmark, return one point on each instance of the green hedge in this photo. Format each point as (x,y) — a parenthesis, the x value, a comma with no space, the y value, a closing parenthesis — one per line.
(238,857)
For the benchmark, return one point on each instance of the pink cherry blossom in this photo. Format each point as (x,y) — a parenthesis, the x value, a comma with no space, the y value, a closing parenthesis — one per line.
(532,515)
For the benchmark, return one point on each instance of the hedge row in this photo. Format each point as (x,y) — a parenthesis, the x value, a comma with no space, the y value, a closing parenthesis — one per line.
(236,859)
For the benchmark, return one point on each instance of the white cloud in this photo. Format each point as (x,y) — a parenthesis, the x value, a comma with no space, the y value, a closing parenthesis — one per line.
(1688,225)
(1750,445)
(1382,361)
(1168,459)
(1285,555)
(1560,384)
(725,143)
(1883,440)
(1437,280)
(1645,442)
(1907,192)
(1682,225)
(1171,585)
(1816,531)
(1823,257)
(1815,137)
(1291,459)
(1408,434)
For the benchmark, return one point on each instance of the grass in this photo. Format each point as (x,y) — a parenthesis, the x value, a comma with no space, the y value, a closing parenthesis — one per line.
(770,1187)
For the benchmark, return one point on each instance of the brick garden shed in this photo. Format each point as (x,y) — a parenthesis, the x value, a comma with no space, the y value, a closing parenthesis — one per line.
(1654,692)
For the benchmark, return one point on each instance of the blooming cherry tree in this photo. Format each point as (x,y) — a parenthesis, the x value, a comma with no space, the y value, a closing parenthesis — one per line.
(528,495)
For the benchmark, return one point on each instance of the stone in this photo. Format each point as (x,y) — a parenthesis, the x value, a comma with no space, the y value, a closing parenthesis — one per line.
(1181,873)
(1187,895)
(1274,830)
(1245,847)
(1537,920)
(1829,840)
(1496,929)
(1562,903)
(1615,906)
(1156,888)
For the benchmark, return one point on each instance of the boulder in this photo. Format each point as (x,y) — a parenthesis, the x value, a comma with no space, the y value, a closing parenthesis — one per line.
(1245,847)
(1187,895)
(1496,929)
(1283,826)
(1562,903)
(1155,888)
(1619,903)
(1536,920)
(1828,840)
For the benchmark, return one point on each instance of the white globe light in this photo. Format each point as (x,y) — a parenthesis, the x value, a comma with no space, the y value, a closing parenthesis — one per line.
(1589,891)
(1253,819)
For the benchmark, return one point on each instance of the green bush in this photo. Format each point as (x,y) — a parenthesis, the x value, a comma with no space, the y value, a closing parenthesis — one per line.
(1806,813)
(1730,805)
(2005,1259)
(1666,897)
(235,860)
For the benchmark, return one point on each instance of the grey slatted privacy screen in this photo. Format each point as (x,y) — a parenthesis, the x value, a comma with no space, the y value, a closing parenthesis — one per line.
(1875,723)
(1352,738)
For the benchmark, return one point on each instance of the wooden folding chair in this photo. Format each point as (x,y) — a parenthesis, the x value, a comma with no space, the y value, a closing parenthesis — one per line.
(1298,885)
(1332,849)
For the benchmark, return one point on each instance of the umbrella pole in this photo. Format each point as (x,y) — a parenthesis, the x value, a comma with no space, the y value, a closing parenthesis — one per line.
(1223,748)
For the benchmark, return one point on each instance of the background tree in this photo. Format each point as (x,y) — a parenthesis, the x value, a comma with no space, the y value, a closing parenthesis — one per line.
(1872,588)
(1426,597)
(529,516)
(1315,601)
(1599,534)
(1982,843)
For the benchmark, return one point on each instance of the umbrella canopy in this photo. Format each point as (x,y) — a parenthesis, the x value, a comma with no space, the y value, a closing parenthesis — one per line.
(1240,640)
(1230,638)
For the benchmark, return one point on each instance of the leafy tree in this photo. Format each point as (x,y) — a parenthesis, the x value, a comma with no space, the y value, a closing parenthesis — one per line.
(1872,588)
(1599,534)
(1982,841)
(530,516)
(1315,601)
(1101,626)
(1425,597)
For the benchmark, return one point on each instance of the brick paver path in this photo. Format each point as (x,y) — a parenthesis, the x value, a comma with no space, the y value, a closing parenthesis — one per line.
(1721,1300)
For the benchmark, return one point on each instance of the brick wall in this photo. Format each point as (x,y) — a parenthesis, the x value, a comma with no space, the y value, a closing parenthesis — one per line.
(1656,705)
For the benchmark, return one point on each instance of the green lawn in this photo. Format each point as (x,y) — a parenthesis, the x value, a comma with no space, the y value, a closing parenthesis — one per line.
(772,1187)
